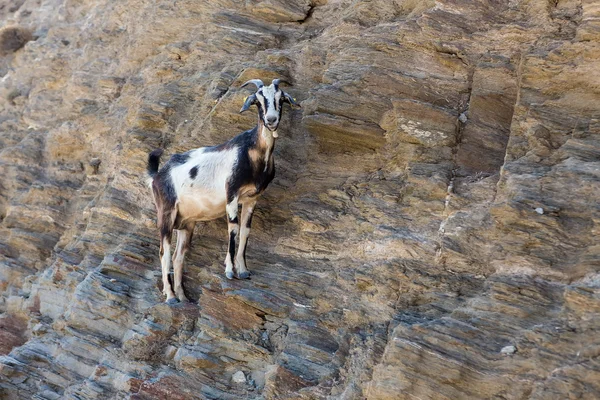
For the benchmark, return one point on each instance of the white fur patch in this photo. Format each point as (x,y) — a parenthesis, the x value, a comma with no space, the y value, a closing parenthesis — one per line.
(204,197)
(269,93)
(232,208)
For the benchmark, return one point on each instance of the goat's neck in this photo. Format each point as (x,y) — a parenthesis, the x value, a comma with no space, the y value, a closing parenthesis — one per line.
(266,140)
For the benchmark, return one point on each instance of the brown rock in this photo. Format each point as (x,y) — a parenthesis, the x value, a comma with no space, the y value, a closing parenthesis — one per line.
(12,332)
(12,38)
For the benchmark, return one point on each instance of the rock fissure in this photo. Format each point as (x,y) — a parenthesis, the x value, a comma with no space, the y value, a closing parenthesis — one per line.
(308,14)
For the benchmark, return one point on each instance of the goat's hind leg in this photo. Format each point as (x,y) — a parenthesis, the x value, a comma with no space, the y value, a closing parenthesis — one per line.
(166,220)
(184,239)
(165,262)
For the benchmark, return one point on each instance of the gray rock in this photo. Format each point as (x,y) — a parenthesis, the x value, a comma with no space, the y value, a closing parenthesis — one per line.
(507,350)
(238,377)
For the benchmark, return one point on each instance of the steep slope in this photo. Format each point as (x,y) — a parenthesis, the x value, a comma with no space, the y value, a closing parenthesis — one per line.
(430,233)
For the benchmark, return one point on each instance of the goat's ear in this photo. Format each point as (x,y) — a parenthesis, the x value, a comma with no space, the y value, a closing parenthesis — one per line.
(290,100)
(249,101)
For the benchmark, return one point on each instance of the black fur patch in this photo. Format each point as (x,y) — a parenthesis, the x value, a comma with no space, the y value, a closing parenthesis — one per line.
(154,161)
(232,245)
(164,197)
(165,187)
(245,171)
(234,220)
(194,172)
(166,230)
(261,112)
(178,159)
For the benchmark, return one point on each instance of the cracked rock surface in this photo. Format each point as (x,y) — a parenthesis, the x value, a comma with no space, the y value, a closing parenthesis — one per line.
(431,232)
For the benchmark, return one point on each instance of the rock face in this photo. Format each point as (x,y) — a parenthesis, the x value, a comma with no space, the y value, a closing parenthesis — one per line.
(431,231)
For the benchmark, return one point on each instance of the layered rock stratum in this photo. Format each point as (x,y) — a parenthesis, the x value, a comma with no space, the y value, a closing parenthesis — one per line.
(431,233)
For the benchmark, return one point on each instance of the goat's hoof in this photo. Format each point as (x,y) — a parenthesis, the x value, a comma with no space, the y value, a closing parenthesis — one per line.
(229,274)
(244,275)
(172,300)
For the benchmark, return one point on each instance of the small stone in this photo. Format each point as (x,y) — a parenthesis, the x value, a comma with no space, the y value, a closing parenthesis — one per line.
(18,378)
(170,352)
(238,377)
(257,379)
(462,118)
(507,350)
(40,329)
(95,164)
(539,210)
(49,394)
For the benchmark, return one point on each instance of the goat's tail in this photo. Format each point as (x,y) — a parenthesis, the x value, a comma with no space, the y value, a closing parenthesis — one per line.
(153,162)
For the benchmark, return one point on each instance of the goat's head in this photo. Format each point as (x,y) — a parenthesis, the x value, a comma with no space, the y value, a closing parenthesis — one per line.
(269,100)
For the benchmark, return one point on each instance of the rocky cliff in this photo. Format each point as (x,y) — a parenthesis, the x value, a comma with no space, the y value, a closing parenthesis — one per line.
(431,232)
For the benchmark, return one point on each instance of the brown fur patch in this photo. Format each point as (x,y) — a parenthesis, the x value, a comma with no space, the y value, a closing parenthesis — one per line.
(247,191)
(165,213)
(256,156)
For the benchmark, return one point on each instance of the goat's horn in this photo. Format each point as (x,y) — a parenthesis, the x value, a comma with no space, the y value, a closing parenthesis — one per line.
(256,82)
(277,81)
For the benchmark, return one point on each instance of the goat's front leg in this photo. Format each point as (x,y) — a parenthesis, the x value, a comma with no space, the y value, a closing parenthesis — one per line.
(233,228)
(246,221)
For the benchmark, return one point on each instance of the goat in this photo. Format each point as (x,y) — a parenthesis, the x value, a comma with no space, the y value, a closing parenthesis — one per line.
(206,183)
